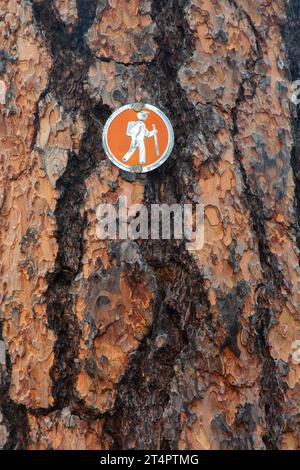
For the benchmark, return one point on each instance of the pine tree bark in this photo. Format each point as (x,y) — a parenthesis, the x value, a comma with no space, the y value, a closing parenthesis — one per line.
(124,345)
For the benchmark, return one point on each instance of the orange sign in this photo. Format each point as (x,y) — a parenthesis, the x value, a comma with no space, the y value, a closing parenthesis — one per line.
(138,137)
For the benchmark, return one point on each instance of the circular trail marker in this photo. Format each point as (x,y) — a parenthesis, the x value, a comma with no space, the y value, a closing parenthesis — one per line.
(138,138)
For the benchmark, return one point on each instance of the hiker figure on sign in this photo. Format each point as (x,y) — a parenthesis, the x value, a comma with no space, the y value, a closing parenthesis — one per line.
(137,130)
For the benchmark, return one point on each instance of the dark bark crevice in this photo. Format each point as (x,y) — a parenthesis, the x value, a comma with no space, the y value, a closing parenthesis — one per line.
(71,61)
(144,412)
(273,283)
(291,35)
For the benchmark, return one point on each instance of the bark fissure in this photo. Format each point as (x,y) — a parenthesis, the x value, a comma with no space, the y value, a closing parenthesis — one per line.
(273,279)
(291,35)
(145,388)
(71,61)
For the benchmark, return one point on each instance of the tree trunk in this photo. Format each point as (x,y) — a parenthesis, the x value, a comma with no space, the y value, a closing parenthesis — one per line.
(146,345)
